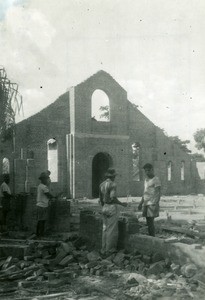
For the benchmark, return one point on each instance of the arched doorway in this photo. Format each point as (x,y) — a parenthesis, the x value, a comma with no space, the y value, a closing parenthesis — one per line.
(101,162)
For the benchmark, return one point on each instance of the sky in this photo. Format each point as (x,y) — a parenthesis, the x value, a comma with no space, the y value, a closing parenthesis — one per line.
(154,49)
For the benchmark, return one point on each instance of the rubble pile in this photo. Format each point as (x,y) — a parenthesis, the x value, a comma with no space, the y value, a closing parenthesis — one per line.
(60,270)
(183,232)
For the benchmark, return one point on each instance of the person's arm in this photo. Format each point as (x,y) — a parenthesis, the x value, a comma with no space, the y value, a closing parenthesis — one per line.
(101,202)
(114,198)
(157,194)
(49,195)
(141,203)
(116,201)
(6,195)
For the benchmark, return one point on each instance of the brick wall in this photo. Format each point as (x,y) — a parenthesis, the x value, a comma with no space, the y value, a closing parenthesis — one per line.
(58,215)
(91,228)
(159,150)
(70,115)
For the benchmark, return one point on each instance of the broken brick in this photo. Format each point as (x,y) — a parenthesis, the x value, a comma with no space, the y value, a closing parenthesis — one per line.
(156,268)
(91,264)
(93,256)
(59,257)
(67,247)
(66,260)
(189,270)
(133,278)
(119,258)
(146,259)
(7,263)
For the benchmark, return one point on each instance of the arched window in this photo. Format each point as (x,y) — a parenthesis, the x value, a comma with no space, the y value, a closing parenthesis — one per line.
(52,150)
(5,166)
(182,170)
(135,161)
(100,106)
(169,171)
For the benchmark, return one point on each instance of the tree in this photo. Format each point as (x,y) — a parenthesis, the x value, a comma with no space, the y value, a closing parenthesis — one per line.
(10,104)
(182,144)
(105,112)
(198,157)
(199,137)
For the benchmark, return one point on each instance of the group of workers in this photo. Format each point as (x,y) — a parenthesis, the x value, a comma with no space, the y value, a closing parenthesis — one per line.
(149,204)
(43,197)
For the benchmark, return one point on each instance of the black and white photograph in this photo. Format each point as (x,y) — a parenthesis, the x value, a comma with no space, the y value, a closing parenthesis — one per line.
(102,149)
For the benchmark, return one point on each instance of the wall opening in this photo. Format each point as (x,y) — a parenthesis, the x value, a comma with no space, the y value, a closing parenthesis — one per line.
(169,171)
(100,106)
(101,162)
(182,170)
(52,156)
(5,166)
(136,162)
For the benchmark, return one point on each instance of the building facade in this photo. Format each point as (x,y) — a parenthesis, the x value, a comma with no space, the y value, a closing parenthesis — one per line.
(77,145)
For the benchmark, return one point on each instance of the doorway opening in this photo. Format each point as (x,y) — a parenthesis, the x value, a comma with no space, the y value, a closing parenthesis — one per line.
(101,162)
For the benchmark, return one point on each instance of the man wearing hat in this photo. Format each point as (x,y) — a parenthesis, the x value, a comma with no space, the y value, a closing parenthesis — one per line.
(110,212)
(43,197)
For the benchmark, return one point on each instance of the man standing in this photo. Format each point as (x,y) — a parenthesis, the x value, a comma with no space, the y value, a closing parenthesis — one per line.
(151,198)
(110,212)
(5,195)
(43,197)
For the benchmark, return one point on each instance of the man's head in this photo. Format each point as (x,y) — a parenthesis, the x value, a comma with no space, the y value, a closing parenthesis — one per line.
(6,178)
(149,170)
(110,173)
(43,178)
(48,172)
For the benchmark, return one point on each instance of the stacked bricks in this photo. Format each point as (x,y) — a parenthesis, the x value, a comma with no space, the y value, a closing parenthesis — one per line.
(19,175)
(30,175)
(59,216)
(91,228)
(15,217)
(29,215)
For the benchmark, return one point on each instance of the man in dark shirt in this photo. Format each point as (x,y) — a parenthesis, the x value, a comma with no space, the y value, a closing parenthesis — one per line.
(5,195)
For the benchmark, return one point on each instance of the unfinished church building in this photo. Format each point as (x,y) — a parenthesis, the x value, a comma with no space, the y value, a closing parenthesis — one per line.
(77,145)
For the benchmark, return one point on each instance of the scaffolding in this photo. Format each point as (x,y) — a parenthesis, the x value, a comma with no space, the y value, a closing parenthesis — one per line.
(11,103)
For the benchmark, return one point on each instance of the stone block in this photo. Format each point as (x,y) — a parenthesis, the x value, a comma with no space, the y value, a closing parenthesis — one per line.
(156,268)
(134,278)
(67,247)
(93,256)
(119,258)
(59,257)
(178,253)
(146,245)
(189,270)
(17,250)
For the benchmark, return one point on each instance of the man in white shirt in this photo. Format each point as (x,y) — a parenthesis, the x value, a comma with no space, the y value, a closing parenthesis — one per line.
(5,195)
(151,198)
(43,197)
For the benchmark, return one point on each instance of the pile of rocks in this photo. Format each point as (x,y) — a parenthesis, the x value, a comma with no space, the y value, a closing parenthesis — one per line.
(61,267)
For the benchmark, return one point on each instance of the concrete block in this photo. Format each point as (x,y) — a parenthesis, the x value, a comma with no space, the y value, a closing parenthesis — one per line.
(146,245)
(17,250)
(178,253)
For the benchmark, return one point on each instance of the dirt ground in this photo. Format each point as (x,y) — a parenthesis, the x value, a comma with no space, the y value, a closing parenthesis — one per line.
(187,208)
